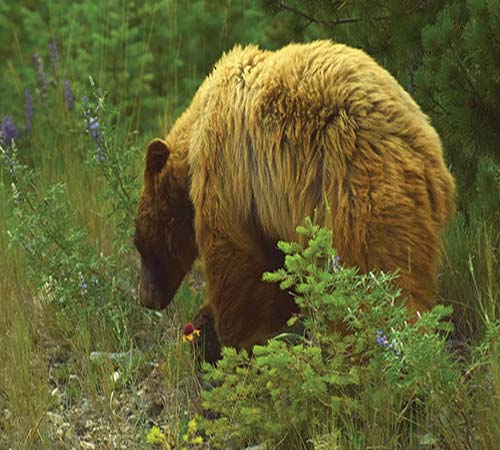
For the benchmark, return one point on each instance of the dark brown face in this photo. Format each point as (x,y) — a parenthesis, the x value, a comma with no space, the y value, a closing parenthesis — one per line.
(164,234)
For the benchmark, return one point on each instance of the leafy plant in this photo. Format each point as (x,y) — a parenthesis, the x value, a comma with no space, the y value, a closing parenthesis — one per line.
(66,265)
(358,338)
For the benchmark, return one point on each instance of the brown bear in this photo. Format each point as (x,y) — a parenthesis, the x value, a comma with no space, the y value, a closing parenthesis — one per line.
(266,137)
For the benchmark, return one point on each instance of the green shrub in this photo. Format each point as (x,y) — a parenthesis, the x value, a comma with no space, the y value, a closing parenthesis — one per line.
(66,265)
(361,374)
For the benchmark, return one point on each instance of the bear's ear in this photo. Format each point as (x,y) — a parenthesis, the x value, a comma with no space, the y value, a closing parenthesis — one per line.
(156,156)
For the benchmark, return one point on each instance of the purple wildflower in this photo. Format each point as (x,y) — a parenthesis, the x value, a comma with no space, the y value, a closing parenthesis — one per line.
(93,129)
(28,111)
(336,263)
(54,55)
(8,131)
(42,78)
(68,95)
(381,339)
(84,287)
(8,135)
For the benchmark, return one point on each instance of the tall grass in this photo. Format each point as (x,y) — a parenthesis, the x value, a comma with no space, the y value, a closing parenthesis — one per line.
(469,279)
(46,342)
(24,393)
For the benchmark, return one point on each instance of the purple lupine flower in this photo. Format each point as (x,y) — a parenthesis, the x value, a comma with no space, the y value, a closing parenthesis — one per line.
(84,287)
(381,339)
(43,82)
(8,136)
(8,131)
(336,263)
(54,56)
(28,111)
(93,129)
(68,95)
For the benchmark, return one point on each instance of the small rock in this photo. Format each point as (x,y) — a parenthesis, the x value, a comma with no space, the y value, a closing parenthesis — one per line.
(85,405)
(56,395)
(130,357)
(87,445)
(7,414)
(116,376)
(88,424)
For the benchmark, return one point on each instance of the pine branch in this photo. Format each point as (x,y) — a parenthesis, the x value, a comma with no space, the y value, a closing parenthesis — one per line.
(338,21)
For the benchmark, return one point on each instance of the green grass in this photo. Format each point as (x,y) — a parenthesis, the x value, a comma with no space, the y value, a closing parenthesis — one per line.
(46,341)
(42,349)
(23,372)
(469,279)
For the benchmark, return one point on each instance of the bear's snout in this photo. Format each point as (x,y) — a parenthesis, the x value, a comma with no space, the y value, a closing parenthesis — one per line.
(153,293)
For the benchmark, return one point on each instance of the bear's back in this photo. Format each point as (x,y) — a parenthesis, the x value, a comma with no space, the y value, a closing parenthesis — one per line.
(275,131)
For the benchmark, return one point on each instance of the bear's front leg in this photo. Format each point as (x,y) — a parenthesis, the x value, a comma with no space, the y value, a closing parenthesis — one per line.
(207,347)
(246,310)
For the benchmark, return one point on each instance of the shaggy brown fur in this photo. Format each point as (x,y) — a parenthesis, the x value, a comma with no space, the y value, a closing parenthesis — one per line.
(267,135)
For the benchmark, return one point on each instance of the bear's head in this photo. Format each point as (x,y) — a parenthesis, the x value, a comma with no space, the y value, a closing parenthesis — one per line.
(164,233)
